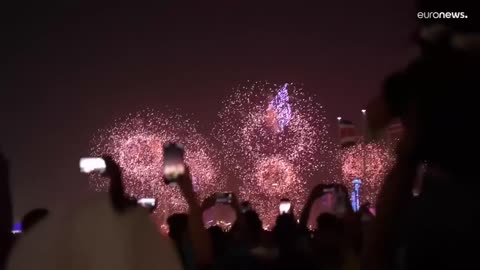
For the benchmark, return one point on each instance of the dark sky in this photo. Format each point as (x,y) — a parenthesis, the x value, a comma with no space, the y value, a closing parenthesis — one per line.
(73,69)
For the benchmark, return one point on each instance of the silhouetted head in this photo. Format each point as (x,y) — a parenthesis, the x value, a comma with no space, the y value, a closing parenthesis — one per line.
(328,242)
(434,98)
(330,229)
(285,228)
(215,232)
(218,239)
(252,231)
(253,221)
(32,218)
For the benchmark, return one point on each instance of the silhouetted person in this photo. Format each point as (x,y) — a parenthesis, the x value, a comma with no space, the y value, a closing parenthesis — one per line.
(435,98)
(287,238)
(253,229)
(285,231)
(6,219)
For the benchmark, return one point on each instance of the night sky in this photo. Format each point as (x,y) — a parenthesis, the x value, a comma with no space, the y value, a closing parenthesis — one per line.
(73,69)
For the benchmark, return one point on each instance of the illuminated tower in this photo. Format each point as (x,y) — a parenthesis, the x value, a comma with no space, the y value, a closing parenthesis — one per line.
(356,195)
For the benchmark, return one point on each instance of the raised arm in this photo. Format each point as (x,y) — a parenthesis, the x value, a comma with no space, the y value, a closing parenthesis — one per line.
(201,243)
(118,197)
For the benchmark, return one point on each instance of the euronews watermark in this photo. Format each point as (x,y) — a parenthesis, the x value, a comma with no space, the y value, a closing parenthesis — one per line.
(442,15)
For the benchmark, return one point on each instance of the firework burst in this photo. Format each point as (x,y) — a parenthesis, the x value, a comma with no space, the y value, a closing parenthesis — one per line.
(378,158)
(265,119)
(275,176)
(271,180)
(136,143)
(269,134)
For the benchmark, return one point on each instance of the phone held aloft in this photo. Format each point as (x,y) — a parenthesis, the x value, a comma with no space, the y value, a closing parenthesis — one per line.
(284,206)
(334,201)
(92,165)
(173,162)
(224,198)
(147,202)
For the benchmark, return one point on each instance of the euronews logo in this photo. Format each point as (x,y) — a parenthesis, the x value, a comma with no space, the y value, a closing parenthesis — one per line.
(441,15)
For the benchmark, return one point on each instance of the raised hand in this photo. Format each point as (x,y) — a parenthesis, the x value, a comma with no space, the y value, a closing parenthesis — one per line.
(186,187)
(200,239)
(119,199)
(113,169)
(209,202)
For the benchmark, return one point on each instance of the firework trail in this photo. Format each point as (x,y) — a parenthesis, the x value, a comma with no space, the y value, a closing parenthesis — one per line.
(136,143)
(379,158)
(269,134)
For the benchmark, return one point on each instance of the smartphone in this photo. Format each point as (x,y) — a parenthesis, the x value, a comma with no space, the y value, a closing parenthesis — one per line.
(147,202)
(329,190)
(92,164)
(327,203)
(285,206)
(335,200)
(224,197)
(173,162)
